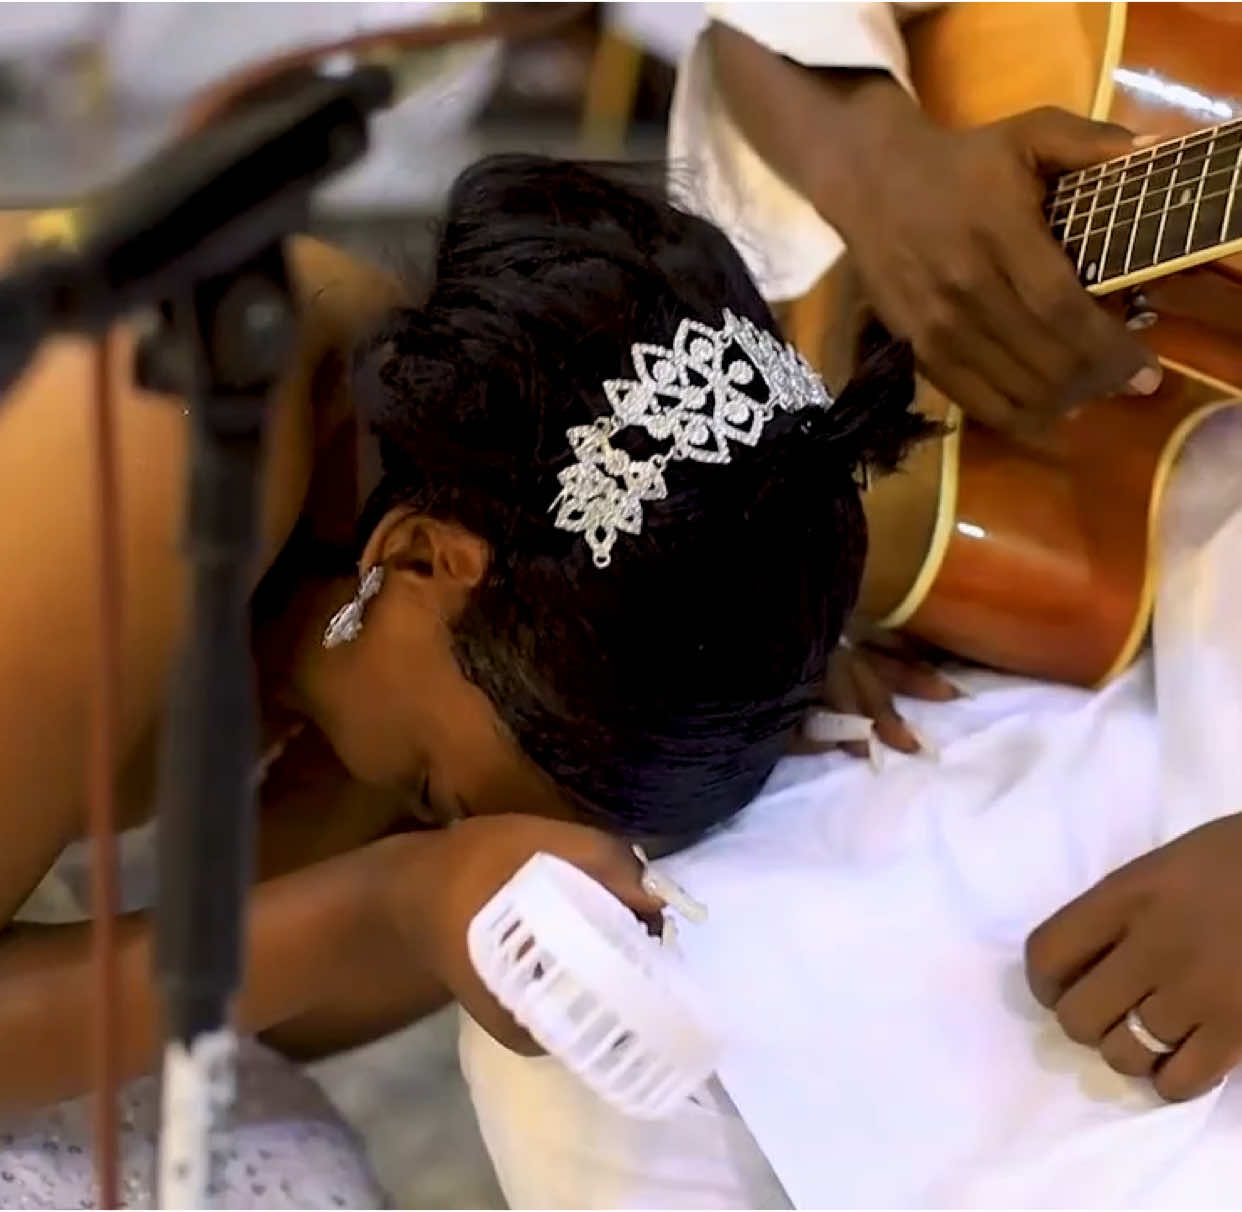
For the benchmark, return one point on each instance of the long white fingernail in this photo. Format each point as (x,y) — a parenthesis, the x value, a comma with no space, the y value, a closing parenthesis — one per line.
(836,727)
(927,747)
(658,885)
(1146,381)
(674,896)
(875,754)
(961,687)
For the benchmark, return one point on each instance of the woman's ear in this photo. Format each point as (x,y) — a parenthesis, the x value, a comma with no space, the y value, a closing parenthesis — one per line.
(438,557)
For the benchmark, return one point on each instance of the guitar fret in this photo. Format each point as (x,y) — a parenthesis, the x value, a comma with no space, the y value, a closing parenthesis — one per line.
(1133,186)
(1136,221)
(1087,234)
(1194,213)
(1164,210)
(1108,234)
(1078,217)
(1069,221)
(1231,193)
(1210,218)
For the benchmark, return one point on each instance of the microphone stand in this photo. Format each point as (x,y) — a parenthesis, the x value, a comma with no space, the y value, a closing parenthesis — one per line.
(224,343)
(197,233)
(234,331)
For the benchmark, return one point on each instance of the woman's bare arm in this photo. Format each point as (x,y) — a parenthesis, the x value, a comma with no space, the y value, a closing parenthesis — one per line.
(48,550)
(325,968)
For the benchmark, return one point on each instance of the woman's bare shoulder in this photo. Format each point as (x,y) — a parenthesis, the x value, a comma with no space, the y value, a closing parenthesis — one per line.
(48,536)
(342,295)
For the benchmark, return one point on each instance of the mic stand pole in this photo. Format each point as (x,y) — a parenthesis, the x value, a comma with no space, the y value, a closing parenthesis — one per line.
(237,330)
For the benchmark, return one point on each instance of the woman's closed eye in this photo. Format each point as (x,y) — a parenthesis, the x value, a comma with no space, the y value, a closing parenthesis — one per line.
(431,808)
(418,800)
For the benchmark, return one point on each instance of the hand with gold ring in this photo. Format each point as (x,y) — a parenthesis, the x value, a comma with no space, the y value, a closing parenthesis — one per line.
(1147,965)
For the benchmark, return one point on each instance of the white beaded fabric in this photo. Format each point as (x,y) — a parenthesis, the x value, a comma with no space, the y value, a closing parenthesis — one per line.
(286,1148)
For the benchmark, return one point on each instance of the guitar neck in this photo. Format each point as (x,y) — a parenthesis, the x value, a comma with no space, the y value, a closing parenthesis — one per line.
(1152,212)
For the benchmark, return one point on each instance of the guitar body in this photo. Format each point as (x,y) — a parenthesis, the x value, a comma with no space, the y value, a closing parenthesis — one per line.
(1037,556)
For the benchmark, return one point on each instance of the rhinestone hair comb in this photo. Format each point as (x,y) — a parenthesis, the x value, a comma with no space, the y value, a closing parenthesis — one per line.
(714,386)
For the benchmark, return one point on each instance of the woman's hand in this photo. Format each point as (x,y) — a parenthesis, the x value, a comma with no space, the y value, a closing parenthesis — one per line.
(1161,937)
(862,679)
(437,882)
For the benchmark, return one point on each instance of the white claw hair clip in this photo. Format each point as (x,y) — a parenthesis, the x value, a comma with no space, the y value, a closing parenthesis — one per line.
(713,387)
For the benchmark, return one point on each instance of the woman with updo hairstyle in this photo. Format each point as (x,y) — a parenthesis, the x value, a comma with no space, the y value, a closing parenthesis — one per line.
(553,560)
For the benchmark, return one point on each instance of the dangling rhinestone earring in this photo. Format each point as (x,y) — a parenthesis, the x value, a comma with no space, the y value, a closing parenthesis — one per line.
(346,624)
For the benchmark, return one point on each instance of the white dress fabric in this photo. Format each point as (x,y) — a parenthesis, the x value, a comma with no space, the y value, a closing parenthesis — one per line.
(785,243)
(864,948)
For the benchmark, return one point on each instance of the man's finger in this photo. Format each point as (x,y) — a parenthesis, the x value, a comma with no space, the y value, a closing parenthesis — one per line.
(1037,363)
(1060,141)
(1073,938)
(992,356)
(978,399)
(1100,354)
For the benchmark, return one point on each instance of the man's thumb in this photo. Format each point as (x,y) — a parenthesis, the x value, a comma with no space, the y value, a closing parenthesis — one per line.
(1059,141)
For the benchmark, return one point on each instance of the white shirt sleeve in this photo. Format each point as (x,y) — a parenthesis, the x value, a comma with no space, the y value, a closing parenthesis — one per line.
(716,171)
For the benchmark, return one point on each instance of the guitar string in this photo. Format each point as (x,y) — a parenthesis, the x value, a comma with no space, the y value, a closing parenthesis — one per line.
(1070,239)
(1120,179)
(1180,142)
(1204,174)
(1110,172)
(1181,187)
(1159,257)
(1077,177)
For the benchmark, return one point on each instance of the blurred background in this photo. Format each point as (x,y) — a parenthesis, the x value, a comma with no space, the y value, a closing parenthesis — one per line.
(87,90)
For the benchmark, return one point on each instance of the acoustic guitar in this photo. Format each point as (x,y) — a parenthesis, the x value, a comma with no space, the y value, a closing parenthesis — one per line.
(1037,556)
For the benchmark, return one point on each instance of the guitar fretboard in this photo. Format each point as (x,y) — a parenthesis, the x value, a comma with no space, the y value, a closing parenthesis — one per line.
(1151,207)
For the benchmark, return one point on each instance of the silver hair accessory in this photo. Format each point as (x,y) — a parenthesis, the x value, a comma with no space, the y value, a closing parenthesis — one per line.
(346,625)
(713,387)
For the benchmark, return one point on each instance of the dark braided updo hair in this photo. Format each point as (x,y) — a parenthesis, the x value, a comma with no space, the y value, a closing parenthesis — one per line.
(659,692)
